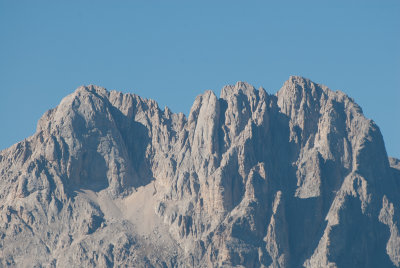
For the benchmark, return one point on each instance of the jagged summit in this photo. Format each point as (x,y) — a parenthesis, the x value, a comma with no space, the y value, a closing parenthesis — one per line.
(239,88)
(300,178)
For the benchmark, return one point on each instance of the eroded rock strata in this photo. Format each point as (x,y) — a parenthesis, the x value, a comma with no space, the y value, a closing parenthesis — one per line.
(300,178)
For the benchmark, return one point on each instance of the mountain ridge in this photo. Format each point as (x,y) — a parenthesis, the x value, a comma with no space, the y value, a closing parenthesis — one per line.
(247,179)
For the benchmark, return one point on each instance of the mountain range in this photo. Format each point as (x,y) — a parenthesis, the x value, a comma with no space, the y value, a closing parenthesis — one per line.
(248,179)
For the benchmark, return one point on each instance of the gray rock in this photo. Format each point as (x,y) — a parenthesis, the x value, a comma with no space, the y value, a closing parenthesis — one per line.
(300,178)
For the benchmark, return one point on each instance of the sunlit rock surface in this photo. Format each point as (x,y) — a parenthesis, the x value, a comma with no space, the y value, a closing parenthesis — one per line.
(249,179)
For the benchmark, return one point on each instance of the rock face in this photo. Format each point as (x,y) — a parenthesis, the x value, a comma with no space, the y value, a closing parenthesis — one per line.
(300,178)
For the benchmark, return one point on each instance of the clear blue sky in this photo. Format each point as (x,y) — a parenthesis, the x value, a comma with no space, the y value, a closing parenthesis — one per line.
(172,51)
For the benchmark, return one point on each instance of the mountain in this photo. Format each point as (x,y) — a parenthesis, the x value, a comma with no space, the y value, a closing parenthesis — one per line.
(300,178)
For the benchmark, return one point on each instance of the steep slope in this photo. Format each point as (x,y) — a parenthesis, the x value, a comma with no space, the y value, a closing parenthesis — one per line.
(300,178)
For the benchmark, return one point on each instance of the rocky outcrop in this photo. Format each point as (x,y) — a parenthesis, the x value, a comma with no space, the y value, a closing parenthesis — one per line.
(300,178)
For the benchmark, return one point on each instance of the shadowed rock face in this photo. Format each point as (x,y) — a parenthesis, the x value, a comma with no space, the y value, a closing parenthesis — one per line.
(300,178)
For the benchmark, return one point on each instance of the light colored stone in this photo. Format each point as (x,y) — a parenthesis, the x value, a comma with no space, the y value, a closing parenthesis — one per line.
(300,178)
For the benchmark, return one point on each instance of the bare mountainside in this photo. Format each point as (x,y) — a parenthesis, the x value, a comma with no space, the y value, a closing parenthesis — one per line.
(300,178)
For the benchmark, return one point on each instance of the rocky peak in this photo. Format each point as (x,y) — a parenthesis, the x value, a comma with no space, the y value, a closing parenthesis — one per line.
(248,179)
(237,89)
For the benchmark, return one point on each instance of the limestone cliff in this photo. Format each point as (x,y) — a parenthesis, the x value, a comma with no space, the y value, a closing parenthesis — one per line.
(300,178)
